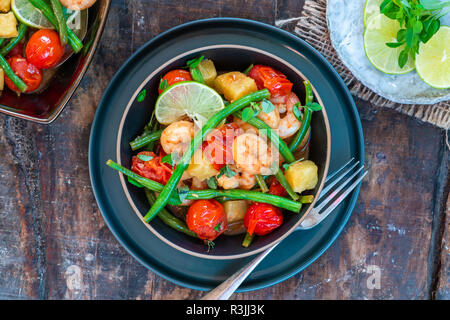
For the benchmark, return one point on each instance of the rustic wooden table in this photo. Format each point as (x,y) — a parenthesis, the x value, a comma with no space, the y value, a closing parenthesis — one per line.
(54,243)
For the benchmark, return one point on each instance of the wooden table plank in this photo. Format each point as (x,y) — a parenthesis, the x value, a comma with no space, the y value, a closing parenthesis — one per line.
(54,243)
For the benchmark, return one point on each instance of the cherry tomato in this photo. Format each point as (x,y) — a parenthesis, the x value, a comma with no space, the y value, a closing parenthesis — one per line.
(277,189)
(153,168)
(29,74)
(218,146)
(207,219)
(275,81)
(175,76)
(44,49)
(262,218)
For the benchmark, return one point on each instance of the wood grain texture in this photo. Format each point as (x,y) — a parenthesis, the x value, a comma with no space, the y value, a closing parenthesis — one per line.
(54,243)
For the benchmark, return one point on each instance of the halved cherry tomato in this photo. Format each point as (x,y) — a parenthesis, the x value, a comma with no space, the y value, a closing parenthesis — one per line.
(275,81)
(153,168)
(44,49)
(276,188)
(207,219)
(26,71)
(262,218)
(218,146)
(175,76)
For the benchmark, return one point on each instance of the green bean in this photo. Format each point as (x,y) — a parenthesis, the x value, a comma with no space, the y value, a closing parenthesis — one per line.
(59,15)
(267,130)
(307,199)
(13,42)
(74,42)
(212,123)
(169,219)
(282,180)
(145,139)
(306,120)
(211,193)
(1,41)
(262,183)
(247,240)
(11,75)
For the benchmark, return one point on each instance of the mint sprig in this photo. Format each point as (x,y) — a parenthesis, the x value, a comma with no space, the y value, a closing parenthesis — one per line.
(419,21)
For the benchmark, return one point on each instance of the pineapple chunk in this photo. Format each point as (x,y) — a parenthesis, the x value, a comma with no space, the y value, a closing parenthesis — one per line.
(235,210)
(302,176)
(2,79)
(200,167)
(208,71)
(8,25)
(5,5)
(234,85)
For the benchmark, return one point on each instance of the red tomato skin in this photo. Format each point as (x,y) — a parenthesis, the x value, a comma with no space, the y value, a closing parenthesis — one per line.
(153,169)
(44,49)
(175,76)
(218,145)
(262,218)
(277,189)
(275,81)
(204,217)
(26,71)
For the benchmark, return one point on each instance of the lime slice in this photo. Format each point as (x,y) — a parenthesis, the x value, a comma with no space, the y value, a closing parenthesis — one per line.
(380,30)
(28,14)
(433,60)
(371,9)
(188,98)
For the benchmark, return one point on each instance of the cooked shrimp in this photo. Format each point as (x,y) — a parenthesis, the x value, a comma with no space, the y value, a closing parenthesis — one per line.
(289,123)
(240,180)
(251,154)
(77,4)
(248,128)
(272,118)
(177,137)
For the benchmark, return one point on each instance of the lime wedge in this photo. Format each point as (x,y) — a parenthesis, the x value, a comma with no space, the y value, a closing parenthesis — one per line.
(26,13)
(380,30)
(433,60)
(188,98)
(371,9)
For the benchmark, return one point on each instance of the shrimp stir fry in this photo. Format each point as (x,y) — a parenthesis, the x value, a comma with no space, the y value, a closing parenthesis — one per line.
(235,157)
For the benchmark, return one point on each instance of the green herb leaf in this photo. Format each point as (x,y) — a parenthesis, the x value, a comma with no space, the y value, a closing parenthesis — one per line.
(163,84)
(141,95)
(218,227)
(183,192)
(267,106)
(247,114)
(226,171)
(403,57)
(247,71)
(418,27)
(197,75)
(394,44)
(297,112)
(401,35)
(434,4)
(135,183)
(314,106)
(195,62)
(212,182)
(144,157)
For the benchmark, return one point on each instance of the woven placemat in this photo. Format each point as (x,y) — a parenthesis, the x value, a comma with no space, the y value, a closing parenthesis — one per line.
(312,27)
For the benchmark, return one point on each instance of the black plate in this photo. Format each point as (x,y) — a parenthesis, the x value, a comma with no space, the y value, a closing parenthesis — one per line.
(300,248)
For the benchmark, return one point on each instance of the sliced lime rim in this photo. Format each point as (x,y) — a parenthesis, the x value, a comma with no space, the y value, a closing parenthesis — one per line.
(26,13)
(188,98)
(371,9)
(433,60)
(381,30)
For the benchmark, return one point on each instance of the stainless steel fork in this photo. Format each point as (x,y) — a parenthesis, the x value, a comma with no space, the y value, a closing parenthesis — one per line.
(317,214)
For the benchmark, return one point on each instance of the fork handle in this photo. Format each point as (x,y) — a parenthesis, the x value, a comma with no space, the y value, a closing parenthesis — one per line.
(228,287)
